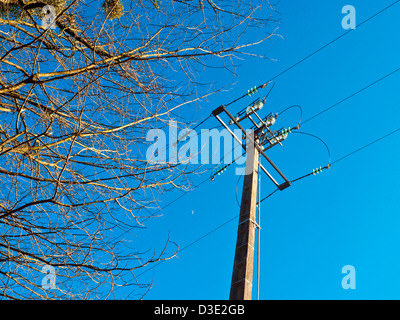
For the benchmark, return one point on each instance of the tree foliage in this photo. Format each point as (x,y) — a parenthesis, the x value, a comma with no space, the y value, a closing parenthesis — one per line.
(76,102)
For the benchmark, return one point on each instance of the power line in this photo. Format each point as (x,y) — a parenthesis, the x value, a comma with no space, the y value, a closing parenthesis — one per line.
(352,95)
(313,53)
(365,146)
(309,56)
(334,40)
(198,239)
(349,154)
(194,242)
(189,191)
(262,86)
(318,138)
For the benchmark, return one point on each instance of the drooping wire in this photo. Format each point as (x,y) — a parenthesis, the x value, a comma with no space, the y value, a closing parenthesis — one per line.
(315,170)
(316,137)
(291,107)
(266,97)
(320,169)
(350,154)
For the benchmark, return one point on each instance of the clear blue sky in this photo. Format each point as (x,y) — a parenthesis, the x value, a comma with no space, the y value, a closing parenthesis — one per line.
(349,215)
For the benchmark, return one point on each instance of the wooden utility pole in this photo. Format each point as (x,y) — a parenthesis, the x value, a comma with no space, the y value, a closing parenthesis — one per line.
(259,139)
(242,275)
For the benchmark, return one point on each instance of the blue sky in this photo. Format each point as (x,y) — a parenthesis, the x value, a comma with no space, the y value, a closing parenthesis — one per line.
(349,215)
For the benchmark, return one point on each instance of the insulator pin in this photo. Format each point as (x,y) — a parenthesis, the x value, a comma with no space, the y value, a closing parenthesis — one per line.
(317,171)
(251,91)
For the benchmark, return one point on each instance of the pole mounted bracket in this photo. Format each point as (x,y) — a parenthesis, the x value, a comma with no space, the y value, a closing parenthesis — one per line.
(251,110)
(284,185)
(219,110)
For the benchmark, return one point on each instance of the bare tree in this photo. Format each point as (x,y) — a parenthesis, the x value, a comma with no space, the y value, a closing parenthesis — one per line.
(80,86)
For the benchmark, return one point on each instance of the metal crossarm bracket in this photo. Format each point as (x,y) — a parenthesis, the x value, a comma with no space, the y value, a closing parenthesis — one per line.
(221,109)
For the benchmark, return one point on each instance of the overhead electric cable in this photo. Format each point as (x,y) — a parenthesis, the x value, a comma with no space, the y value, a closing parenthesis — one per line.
(256,88)
(189,191)
(352,95)
(334,40)
(348,155)
(365,146)
(316,137)
(198,239)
